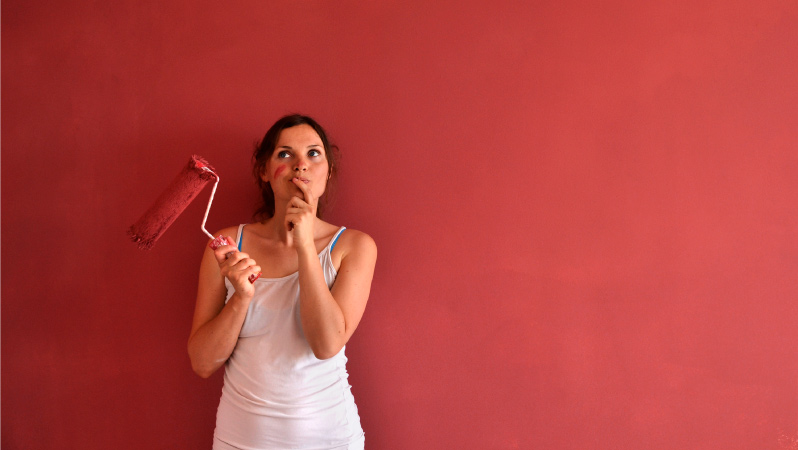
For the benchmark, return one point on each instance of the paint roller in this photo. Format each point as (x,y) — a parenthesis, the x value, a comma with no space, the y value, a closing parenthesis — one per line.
(183,189)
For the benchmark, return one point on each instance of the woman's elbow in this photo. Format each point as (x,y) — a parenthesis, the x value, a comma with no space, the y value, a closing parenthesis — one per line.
(323,352)
(199,366)
(201,371)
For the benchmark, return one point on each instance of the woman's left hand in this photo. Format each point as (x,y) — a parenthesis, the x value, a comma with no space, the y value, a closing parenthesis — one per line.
(300,215)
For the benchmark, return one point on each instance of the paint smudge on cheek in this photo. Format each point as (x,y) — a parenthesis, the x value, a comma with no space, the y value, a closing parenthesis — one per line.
(280,169)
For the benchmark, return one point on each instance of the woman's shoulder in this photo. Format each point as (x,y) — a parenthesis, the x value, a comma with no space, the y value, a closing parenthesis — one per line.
(356,241)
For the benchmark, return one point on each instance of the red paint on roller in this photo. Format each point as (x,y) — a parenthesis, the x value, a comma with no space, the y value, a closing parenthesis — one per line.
(183,189)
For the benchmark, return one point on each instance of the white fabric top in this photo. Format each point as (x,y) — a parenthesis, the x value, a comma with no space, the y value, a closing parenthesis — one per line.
(277,394)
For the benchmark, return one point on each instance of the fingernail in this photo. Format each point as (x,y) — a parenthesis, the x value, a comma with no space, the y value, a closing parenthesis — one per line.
(254,277)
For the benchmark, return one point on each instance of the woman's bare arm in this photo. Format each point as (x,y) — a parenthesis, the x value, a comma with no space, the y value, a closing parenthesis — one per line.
(330,316)
(216,325)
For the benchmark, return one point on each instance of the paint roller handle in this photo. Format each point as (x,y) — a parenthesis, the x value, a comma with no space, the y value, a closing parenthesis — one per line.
(223,240)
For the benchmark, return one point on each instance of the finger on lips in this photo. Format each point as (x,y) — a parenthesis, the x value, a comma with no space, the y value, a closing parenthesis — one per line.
(302,187)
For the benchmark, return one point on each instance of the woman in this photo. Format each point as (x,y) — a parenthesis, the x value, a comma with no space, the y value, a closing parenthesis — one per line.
(277,304)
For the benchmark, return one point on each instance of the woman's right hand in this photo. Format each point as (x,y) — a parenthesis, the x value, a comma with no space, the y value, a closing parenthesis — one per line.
(218,317)
(236,266)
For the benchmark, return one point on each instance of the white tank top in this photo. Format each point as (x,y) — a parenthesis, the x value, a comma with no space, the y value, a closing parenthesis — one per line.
(277,394)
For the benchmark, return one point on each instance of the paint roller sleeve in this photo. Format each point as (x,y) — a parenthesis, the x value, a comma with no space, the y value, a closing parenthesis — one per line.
(183,189)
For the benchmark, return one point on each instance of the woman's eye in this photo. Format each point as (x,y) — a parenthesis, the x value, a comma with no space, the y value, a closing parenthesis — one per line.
(314,153)
(283,154)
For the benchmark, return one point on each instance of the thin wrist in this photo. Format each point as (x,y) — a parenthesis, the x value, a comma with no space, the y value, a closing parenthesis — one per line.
(306,250)
(239,299)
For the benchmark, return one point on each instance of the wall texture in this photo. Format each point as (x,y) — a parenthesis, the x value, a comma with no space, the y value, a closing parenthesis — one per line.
(587,214)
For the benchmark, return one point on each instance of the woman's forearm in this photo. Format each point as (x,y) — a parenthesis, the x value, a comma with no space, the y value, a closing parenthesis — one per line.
(213,343)
(322,319)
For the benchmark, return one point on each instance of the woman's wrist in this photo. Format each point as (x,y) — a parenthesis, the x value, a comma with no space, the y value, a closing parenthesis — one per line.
(239,299)
(306,250)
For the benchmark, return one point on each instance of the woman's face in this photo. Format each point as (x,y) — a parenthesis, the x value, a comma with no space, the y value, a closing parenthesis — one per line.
(299,153)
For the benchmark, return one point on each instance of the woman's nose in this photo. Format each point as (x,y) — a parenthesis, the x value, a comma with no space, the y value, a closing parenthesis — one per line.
(301,165)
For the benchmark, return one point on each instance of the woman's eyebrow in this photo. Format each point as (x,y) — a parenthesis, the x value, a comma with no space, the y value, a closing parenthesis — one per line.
(291,148)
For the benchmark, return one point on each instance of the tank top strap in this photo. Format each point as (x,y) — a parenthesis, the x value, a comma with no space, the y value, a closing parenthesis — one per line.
(335,238)
(240,236)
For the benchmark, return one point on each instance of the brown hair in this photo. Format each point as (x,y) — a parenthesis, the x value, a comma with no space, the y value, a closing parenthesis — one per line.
(264,150)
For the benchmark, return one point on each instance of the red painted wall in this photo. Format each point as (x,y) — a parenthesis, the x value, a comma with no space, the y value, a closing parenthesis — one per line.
(587,214)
